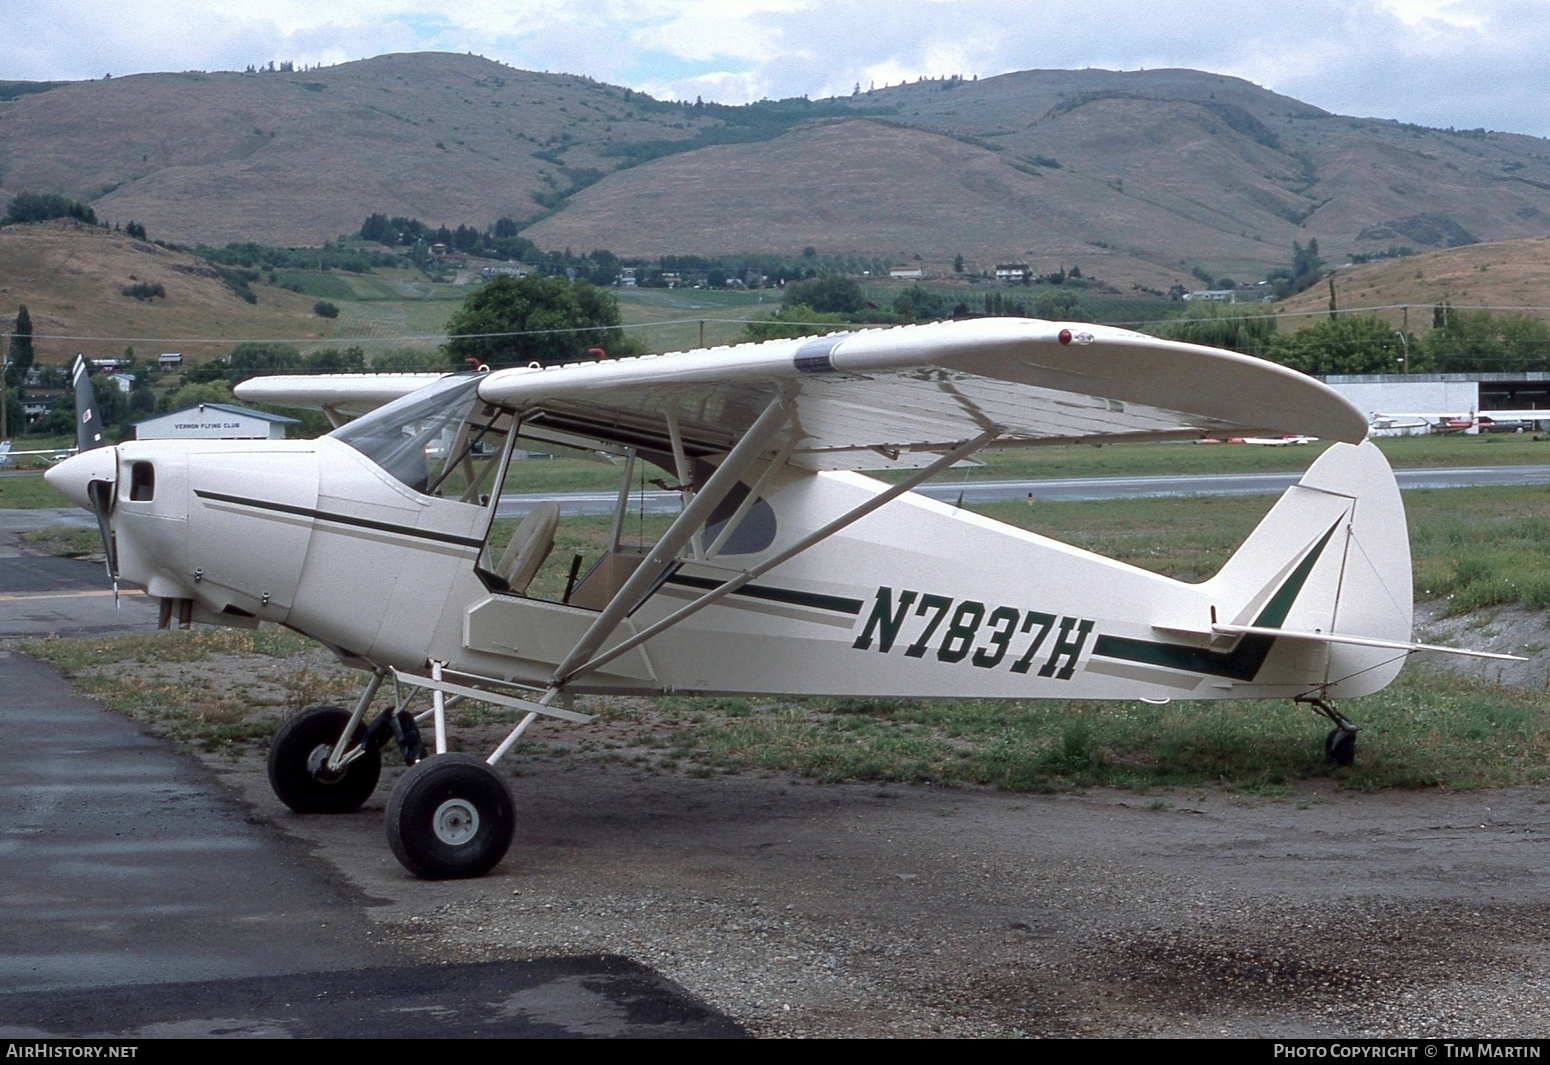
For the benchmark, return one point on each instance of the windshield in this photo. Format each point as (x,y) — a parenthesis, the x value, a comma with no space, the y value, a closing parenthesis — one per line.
(414,438)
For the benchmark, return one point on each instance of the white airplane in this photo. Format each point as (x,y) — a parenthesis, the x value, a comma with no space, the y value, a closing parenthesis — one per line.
(787,572)
(7,456)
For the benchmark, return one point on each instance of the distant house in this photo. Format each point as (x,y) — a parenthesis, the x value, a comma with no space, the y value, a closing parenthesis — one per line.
(439,250)
(672,280)
(1213,294)
(124,381)
(627,277)
(1012,272)
(169,360)
(214,421)
(906,273)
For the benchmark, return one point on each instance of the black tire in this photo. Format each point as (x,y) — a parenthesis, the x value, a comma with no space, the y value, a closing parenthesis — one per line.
(298,753)
(1340,746)
(450,817)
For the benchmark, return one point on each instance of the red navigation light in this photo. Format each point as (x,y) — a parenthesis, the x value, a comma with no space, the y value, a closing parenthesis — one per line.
(1065,336)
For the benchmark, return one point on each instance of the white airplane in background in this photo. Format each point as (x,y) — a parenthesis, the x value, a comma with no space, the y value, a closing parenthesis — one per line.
(787,572)
(8,456)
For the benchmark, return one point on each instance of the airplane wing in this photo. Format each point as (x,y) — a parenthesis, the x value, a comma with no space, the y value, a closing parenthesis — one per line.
(893,398)
(343,393)
(898,398)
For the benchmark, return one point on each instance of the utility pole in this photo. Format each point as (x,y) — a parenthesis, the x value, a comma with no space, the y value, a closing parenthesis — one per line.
(1404,342)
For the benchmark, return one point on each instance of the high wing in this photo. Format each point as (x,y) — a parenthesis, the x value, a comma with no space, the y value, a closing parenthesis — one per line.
(338,395)
(899,398)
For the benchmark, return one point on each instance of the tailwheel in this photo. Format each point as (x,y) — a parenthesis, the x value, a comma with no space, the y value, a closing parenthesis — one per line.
(298,764)
(1340,744)
(451,817)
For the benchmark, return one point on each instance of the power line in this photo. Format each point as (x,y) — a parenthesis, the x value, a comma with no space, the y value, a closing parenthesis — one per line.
(440,338)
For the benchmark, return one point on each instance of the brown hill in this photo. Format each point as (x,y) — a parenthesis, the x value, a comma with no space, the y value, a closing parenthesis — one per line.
(1155,171)
(865,188)
(299,158)
(1507,274)
(71,278)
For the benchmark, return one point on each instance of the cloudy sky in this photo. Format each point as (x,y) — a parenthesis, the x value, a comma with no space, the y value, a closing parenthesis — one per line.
(1464,63)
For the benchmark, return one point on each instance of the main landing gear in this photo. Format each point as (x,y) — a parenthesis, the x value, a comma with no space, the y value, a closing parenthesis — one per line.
(450,815)
(1340,744)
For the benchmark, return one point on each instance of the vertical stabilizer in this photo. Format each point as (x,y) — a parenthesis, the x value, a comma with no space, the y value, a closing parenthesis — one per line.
(1332,556)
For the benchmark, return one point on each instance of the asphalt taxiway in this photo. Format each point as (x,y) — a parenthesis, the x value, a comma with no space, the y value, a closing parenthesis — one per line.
(139,898)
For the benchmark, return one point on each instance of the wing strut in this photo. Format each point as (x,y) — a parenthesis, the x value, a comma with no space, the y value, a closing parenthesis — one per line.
(753,444)
(566,673)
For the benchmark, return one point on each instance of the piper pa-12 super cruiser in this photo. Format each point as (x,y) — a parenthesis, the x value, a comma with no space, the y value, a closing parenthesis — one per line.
(786,571)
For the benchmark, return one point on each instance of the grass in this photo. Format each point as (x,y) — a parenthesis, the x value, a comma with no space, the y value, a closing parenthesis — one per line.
(1426,730)
(27,491)
(71,542)
(181,703)
(1479,548)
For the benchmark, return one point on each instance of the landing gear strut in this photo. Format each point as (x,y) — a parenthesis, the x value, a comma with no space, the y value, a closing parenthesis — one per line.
(1340,744)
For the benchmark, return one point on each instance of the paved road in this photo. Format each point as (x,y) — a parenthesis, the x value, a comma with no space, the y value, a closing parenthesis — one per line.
(64,596)
(1074,489)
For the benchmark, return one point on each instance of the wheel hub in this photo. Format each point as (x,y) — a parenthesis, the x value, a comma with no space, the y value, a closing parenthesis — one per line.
(455,822)
(317,765)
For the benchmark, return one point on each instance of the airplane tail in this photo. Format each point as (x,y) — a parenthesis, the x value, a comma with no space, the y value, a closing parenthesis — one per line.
(1331,560)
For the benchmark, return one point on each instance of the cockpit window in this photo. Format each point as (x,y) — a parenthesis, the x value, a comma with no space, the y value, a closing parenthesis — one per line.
(419,437)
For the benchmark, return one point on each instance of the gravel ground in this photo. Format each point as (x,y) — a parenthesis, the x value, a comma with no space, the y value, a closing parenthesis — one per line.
(845,910)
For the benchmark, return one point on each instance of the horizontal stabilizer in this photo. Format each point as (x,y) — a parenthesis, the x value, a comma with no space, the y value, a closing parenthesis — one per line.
(1355,641)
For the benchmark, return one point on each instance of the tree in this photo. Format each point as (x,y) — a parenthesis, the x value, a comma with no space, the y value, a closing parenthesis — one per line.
(1479,341)
(377,228)
(512,321)
(325,309)
(1362,344)
(795,320)
(19,356)
(827,294)
(1220,325)
(194,394)
(958,264)
(39,207)
(248,359)
(1306,263)
(1062,306)
(336,360)
(917,304)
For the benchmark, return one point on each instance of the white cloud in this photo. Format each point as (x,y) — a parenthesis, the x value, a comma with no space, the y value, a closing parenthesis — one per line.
(1465,63)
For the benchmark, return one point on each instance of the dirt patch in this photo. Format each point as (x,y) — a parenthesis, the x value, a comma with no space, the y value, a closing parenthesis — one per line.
(1511,630)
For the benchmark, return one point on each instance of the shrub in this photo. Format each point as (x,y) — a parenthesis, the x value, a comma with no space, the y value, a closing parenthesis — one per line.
(145,290)
(324,309)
